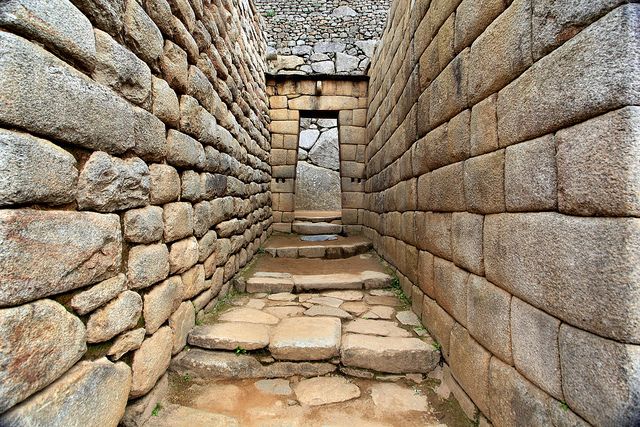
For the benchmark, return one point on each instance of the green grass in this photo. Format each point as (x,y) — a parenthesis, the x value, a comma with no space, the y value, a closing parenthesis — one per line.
(239,350)
(564,406)
(156,410)
(437,346)
(270,13)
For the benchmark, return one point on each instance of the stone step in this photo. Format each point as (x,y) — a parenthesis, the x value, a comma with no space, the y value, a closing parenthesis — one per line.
(211,364)
(318,216)
(307,282)
(306,338)
(308,228)
(229,336)
(293,247)
(388,354)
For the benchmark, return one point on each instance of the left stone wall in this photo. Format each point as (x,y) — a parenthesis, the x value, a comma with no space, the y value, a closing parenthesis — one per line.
(134,184)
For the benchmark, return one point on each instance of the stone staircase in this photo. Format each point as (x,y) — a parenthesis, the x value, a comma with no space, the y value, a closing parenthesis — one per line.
(317,222)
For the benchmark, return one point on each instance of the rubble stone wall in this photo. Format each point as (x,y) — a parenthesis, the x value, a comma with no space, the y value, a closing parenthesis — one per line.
(322,37)
(134,183)
(288,98)
(503,180)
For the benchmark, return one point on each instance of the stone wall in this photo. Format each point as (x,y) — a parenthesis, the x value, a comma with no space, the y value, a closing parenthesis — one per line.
(322,37)
(503,184)
(288,99)
(135,181)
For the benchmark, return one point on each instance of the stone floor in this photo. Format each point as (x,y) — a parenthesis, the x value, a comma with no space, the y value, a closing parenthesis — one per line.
(333,357)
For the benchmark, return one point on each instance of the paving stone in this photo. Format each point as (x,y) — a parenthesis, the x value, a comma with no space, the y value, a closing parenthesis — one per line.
(345,295)
(382,300)
(151,361)
(126,342)
(282,296)
(388,354)
(230,335)
(316,228)
(382,293)
(325,390)
(98,294)
(408,318)
(258,304)
(305,338)
(119,315)
(356,308)
(376,327)
(280,284)
(325,300)
(74,397)
(395,397)
(282,312)
(41,341)
(278,387)
(325,310)
(327,281)
(248,315)
(50,252)
(24,178)
(381,311)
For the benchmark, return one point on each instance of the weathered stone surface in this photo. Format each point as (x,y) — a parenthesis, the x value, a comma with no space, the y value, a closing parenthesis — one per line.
(304,338)
(278,387)
(141,34)
(387,354)
(530,176)
(184,151)
(376,327)
(346,295)
(109,184)
(87,389)
(143,225)
(23,178)
(286,311)
(140,410)
(325,300)
(150,361)
(451,286)
(325,390)
(325,151)
(38,86)
(513,398)
(126,342)
(438,322)
(183,255)
(105,14)
(230,335)
(449,90)
(312,180)
(119,315)
(599,165)
(178,221)
(408,318)
(285,62)
(165,184)
(149,134)
(323,67)
(600,377)
(472,18)
(194,282)
(534,329)
(98,294)
(165,102)
(395,397)
(308,138)
(466,241)
(484,123)
(470,366)
(48,252)
(604,79)
(41,340)
(56,24)
(488,316)
(147,265)
(181,322)
(121,70)
(573,285)
(346,63)
(159,303)
(323,310)
(183,416)
(174,65)
(248,315)
(484,183)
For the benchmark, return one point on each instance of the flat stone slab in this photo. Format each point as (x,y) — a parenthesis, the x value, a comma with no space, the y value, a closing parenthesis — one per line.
(325,310)
(375,279)
(381,293)
(183,416)
(355,307)
(408,318)
(394,397)
(376,327)
(319,238)
(382,300)
(282,296)
(248,315)
(325,390)
(285,311)
(388,354)
(303,227)
(270,284)
(345,295)
(279,387)
(327,281)
(380,312)
(306,338)
(229,336)
(326,300)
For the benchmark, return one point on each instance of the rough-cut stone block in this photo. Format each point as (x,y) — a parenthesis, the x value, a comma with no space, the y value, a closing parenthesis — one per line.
(49,98)
(126,342)
(484,126)
(178,221)
(582,270)
(438,322)
(596,69)
(174,65)
(183,255)
(449,91)
(98,294)
(484,183)
(425,273)
(181,323)
(466,241)
(147,265)
(165,102)
(141,34)
(56,24)
(194,282)
(502,52)
(121,70)
(74,398)
(104,14)
(512,398)
(388,354)
(600,377)
(140,410)
(488,316)
(230,335)
(150,361)
(530,176)
(149,134)
(184,151)
(599,165)
(534,329)
(472,18)
(165,184)
(434,233)
(451,285)
(23,178)
(109,184)
(119,315)
(159,303)
(49,252)
(446,192)
(41,340)
(469,363)
(305,338)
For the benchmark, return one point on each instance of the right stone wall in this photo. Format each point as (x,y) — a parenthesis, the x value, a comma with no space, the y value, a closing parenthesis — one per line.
(503,183)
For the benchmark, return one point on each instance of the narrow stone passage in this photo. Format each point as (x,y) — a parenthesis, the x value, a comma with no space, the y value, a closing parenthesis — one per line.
(313,341)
